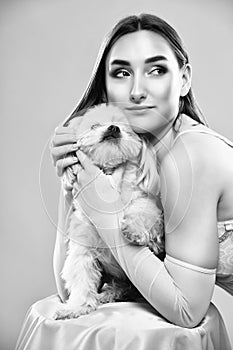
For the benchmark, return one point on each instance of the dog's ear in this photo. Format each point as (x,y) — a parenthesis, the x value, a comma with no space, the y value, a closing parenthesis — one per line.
(69,177)
(148,177)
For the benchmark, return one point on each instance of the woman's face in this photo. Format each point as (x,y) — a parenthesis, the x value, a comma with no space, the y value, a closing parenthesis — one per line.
(144,79)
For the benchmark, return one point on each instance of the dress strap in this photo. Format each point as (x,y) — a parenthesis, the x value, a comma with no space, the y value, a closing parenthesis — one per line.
(204,131)
(189,266)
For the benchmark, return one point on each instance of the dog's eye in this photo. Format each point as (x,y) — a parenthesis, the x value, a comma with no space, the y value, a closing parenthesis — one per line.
(94,126)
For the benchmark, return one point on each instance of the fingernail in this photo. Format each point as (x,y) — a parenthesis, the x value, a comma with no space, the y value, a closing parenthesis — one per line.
(80,154)
(75,145)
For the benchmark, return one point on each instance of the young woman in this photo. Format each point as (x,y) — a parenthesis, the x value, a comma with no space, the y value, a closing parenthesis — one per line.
(144,69)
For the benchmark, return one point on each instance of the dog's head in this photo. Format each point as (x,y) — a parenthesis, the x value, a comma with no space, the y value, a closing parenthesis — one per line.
(110,145)
(105,135)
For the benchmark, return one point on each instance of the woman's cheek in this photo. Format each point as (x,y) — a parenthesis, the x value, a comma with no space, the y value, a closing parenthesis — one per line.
(161,89)
(166,97)
(117,92)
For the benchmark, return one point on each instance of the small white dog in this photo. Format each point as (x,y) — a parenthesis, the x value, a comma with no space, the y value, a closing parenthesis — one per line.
(92,276)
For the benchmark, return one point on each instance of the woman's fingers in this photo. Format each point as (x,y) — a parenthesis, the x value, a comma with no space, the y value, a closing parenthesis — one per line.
(61,164)
(63,139)
(86,163)
(62,151)
(60,130)
(63,145)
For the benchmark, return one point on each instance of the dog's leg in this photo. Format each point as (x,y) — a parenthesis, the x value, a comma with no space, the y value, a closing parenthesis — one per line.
(118,290)
(142,224)
(82,276)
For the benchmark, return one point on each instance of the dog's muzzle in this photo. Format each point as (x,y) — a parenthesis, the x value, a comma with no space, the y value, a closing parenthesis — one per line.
(113,132)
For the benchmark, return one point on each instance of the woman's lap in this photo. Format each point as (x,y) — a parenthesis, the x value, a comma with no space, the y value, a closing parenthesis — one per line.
(117,326)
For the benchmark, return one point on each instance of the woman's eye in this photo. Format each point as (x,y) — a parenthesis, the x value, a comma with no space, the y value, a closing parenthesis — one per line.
(157,71)
(120,73)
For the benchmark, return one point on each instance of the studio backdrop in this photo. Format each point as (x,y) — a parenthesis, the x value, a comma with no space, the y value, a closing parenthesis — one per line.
(47,52)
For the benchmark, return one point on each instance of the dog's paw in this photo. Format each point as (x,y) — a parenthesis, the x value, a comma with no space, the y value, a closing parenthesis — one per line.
(107,297)
(74,313)
(138,239)
(134,231)
(110,293)
(65,314)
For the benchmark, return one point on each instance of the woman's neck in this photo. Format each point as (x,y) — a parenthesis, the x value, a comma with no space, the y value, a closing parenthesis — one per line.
(162,143)
(165,142)
(166,139)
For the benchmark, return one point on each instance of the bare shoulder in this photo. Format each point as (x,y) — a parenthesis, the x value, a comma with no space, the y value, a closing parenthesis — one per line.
(200,146)
(190,191)
(209,155)
(196,191)
(196,155)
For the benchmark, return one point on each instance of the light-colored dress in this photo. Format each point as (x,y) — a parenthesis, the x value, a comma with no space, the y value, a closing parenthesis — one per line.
(118,326)
(131,325)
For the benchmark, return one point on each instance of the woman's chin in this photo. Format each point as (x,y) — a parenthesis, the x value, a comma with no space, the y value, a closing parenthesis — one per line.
(139,130)
(143,128)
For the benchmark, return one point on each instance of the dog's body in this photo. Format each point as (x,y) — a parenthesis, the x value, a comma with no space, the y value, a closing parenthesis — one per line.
(110,146)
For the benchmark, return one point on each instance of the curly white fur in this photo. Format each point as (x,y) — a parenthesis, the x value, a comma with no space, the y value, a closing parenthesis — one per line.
(110,143)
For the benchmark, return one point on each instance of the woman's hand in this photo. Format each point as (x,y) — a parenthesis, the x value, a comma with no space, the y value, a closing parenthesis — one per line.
(97,194)
(63,146)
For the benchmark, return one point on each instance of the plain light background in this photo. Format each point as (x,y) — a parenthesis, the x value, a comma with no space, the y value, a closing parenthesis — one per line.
(47,52)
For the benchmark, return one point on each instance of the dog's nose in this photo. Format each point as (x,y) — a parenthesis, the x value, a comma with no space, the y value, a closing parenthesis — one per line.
(113,130)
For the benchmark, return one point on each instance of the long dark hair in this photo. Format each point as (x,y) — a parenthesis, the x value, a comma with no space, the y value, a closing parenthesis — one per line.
(95,92)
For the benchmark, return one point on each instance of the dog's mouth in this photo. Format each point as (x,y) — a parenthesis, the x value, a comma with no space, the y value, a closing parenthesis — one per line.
(113,133)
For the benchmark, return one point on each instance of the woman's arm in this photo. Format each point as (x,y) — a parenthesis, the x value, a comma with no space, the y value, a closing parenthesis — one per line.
(63,146)
(61,241)
(181,292)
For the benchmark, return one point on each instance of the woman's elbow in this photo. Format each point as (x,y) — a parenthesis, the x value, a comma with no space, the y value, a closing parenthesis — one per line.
(191,317)
(191,322)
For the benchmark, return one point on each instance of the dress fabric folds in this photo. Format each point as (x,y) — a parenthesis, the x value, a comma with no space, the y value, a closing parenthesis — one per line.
(117,326)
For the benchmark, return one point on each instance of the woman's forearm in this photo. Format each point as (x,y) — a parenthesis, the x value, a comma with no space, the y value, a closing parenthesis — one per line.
(180,294)
(61,243)
(58,263)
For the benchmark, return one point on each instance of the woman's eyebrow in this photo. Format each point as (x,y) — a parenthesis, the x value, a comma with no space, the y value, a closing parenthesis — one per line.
(120,62)
(155,59)
(148,60)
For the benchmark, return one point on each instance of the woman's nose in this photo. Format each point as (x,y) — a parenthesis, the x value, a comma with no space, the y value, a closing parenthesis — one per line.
(138,92)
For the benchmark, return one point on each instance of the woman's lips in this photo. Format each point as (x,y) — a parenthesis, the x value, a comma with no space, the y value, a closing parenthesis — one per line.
(139,109)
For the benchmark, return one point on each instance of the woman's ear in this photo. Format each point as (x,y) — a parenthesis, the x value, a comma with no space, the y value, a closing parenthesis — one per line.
(186,79)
